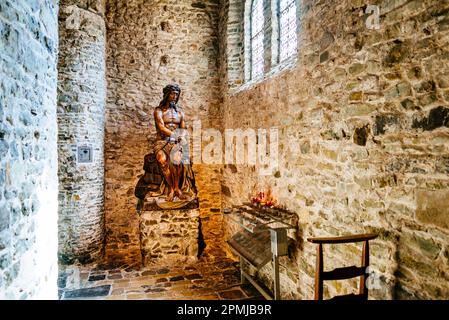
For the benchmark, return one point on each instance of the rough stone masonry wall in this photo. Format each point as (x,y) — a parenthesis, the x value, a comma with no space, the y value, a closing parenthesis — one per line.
(28,156)
(152,44)
(364,144)
(231,43)
(81,114)
(169,237)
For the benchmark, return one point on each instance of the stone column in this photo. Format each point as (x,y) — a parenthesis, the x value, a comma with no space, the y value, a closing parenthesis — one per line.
(81,108)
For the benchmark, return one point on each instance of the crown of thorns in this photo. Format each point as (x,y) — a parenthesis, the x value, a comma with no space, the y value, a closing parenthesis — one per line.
(171,87)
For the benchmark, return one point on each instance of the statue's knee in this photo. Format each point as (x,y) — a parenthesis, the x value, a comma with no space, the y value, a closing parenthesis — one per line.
(160,157)
(163,163)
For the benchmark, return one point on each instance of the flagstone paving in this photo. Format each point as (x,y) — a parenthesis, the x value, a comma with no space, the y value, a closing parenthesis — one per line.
(207,279)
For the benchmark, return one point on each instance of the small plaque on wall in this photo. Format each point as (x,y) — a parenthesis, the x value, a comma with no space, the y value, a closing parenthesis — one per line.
(85,154)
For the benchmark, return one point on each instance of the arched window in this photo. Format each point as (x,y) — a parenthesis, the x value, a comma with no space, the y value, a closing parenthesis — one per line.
(287,29)
(257,38)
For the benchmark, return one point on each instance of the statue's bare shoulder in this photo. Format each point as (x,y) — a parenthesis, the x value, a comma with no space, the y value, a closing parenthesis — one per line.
(157,111)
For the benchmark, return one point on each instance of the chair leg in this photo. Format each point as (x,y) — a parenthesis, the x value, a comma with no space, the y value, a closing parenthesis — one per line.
(319,273)
(277,289)
(363,290)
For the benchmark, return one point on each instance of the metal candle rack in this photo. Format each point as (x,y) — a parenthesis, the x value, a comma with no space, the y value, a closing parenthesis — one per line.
(263,238)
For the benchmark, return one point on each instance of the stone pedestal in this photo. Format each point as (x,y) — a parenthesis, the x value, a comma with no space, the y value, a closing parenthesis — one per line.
(169,236)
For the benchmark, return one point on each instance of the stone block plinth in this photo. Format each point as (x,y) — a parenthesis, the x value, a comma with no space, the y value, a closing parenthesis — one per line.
(169,236)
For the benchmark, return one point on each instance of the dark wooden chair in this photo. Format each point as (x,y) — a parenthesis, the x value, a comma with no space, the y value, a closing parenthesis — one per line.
(345,272)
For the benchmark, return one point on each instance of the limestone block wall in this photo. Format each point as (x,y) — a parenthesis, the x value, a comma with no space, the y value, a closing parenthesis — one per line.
(28,149)
(81,118)
(363,144)
(152,44)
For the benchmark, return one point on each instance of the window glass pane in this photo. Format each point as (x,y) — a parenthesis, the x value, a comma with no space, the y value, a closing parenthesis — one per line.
(257,24)
(283,4)
(257,56)
(288,35)
(256,17)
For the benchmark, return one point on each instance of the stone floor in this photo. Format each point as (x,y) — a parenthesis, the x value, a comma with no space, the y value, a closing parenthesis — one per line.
(210,278)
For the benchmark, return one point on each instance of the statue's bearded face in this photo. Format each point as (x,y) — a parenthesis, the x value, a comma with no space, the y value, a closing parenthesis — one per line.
(172,96)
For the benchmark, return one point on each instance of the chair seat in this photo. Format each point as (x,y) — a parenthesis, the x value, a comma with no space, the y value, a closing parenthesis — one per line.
(344,273)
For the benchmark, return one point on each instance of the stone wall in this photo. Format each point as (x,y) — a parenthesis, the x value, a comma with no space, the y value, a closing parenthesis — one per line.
(152,44)
(169,237)
(28,156)
(363,144)
(81,113)
(231,43)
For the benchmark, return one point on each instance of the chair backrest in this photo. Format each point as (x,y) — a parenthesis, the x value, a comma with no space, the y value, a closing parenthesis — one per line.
(345,272)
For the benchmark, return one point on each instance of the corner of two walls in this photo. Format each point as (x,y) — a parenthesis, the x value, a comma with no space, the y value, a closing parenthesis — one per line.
(151,45)
(363,145)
